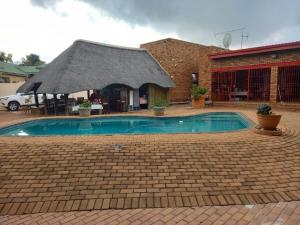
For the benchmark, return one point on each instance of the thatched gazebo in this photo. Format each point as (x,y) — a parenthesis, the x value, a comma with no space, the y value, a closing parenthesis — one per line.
(88,65)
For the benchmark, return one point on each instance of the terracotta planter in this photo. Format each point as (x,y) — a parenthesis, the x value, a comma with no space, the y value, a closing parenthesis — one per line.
(84,112)
(159,111)
(268,122)
(199,103)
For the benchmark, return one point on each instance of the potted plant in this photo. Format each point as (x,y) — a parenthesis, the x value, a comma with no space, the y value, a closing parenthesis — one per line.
(85,109)
(266,119)
(198,99)
(159,107)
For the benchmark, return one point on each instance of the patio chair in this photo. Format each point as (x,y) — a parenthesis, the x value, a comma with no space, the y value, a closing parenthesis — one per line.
(26,109)
(208,101)
(105,105)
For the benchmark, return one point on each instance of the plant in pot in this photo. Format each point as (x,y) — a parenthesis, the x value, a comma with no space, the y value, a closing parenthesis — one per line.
(198,98)
(159,107)
(85,109)
(266,119)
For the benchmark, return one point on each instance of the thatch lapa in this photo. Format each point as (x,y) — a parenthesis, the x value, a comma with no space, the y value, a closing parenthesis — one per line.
(108,69)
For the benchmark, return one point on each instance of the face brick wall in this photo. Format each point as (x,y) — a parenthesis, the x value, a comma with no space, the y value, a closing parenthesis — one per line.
(266,58)
(204,67)
(180,59)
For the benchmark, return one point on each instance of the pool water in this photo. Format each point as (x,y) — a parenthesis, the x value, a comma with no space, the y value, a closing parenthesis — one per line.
(209,122)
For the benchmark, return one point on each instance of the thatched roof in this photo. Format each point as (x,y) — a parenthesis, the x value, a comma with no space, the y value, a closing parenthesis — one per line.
(88,65)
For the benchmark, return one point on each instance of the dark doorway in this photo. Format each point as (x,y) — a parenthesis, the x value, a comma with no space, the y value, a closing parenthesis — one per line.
(116,96)
(144,96)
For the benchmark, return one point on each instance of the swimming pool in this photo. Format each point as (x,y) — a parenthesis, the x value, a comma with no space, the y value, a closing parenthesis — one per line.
(208,122)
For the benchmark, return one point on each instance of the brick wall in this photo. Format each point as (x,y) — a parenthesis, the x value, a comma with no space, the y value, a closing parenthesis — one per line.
(266,58)
(180,59)
(205,67)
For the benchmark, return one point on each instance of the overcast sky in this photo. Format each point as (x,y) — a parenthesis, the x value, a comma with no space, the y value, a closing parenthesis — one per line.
(47,27)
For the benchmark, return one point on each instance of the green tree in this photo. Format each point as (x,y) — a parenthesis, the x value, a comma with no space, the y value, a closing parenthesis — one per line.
(32,60)
(6,57)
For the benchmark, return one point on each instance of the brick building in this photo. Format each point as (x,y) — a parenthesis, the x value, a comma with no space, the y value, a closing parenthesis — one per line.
(262,74)
(186,63)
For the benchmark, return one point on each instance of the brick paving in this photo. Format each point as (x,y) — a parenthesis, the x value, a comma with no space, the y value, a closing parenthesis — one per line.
(82,173)
(63,174)
(280,213)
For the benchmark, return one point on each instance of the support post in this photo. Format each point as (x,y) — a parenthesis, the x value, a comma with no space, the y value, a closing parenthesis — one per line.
(249,86)
(45,104)
(36,98)
(66,96)
(55,103)
(273,86)
(88,94)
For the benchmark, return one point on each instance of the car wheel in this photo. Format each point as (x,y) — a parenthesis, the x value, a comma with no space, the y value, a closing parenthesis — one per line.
(13,106)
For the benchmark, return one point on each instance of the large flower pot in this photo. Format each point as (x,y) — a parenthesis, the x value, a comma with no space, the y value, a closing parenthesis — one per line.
(268,122)
(84,112)
(198,103)
(159,111)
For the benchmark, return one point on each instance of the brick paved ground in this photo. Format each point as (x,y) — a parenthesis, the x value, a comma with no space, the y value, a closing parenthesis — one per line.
(280,213)
(57,174)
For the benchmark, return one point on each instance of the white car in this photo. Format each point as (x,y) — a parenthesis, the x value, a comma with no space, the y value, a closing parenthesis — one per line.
(13,102)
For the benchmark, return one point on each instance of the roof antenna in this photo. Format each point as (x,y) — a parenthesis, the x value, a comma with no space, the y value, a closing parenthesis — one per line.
(227,36)
(242,38)
(227,40)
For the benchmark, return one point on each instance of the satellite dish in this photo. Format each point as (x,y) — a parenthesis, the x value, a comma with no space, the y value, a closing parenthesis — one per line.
(227,40)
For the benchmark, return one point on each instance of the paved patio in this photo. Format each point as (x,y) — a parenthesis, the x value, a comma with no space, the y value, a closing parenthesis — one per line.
(62,174)
(280,213)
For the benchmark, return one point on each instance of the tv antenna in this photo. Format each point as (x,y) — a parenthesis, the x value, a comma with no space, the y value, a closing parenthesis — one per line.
(227,36)
(242,38)
(227,39)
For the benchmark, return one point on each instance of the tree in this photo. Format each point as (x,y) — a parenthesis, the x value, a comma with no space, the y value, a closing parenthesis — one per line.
(6,57)
(32,60)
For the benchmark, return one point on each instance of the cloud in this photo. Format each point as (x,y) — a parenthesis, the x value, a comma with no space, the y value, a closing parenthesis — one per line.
(198,20)
(49,31)
(45,4)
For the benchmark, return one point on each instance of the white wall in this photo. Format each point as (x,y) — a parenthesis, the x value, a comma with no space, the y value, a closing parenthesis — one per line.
(79,94)
(9,88)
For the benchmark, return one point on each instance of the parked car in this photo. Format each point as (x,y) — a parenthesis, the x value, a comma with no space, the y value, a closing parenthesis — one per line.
(13,102)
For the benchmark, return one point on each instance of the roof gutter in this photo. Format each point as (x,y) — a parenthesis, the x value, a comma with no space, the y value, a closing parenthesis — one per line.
(256,50)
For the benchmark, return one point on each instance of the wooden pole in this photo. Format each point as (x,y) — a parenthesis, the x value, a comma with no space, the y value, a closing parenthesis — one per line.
(46,104)
(66,96)
(36,98)
(88,94)
(55,103)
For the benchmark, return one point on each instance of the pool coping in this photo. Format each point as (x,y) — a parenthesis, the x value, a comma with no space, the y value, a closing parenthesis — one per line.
(22,121)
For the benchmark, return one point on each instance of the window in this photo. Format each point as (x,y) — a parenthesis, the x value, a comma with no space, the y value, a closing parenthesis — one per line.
(4,79)
(288,84)
(195,78)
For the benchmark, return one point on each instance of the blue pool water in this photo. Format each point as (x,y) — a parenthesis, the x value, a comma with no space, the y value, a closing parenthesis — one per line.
(210,122)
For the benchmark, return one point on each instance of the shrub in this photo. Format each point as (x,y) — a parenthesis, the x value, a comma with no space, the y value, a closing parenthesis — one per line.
(264,109)
(198,91)
(160,103)
(85,105)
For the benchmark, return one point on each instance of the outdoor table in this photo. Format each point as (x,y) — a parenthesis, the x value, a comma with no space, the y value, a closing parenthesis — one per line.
(93,107)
